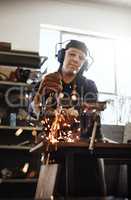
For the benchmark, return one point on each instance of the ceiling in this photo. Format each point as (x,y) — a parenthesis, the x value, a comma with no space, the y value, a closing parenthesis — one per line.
(118,3)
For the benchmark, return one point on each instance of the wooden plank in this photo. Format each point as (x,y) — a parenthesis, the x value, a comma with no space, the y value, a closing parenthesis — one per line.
(46,182)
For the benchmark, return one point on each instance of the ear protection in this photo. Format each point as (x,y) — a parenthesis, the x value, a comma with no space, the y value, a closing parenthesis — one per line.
(61,55)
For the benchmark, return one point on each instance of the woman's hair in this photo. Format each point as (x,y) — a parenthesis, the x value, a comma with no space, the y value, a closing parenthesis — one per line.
(78,45)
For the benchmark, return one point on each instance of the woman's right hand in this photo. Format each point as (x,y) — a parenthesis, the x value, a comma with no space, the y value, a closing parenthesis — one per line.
(51,82)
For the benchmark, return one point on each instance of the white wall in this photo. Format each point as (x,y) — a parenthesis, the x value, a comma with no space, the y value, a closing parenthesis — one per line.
(20,20)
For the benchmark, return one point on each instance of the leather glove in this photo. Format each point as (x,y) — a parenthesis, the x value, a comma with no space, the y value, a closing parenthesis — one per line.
(51,82)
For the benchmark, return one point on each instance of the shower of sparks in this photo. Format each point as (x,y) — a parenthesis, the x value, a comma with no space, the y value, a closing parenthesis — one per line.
(59,129)
(65,124)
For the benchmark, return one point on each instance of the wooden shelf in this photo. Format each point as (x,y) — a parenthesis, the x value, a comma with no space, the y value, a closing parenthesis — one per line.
(20,53)
(15,147)
(16,150)
(16,86)
(27,128)
(11,83)
(22,59)
(18,180)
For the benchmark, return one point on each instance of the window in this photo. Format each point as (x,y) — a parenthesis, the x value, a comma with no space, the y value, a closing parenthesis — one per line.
(123,50)
(48,40)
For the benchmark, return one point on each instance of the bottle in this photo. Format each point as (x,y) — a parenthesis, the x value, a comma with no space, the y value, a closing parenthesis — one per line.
(13,119)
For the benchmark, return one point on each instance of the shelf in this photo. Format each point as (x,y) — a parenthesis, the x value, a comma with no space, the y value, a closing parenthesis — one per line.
(22,59)
(27,180)
(12,83)
(15,147)
(27,128)
(20,53)
(15,144)
(16,86)
(13,68)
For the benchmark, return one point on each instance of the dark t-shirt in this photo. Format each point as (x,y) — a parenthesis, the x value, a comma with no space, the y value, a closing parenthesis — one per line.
(86,89)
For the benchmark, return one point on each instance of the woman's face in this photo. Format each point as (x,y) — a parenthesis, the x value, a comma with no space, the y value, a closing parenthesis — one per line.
(73,60)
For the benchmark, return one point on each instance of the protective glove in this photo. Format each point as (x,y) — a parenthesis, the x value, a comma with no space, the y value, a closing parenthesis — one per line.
(51,83)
